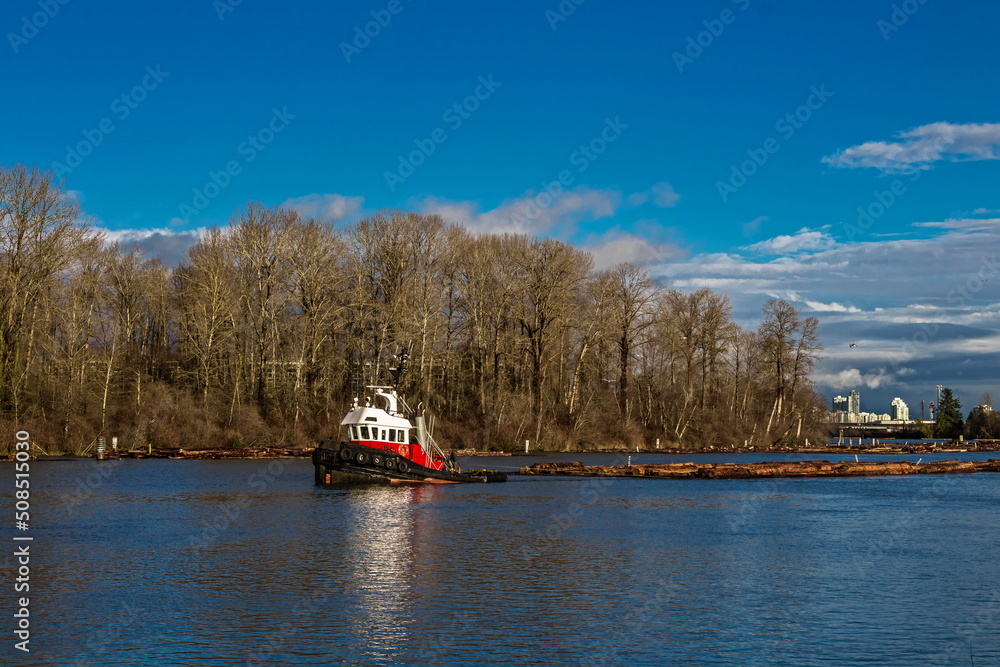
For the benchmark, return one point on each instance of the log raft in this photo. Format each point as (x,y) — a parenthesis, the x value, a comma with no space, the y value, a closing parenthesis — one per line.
(763,470)
(248,453)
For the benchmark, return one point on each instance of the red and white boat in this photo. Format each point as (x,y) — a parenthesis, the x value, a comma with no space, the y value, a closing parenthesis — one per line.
(383,446)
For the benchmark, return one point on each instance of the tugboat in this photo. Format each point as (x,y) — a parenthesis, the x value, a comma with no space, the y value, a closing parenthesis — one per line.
(384,447)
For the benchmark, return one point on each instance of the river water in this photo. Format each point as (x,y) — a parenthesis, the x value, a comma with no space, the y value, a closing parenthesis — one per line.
(247,563)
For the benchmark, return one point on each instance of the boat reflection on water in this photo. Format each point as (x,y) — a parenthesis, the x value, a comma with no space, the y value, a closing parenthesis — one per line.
(381,530)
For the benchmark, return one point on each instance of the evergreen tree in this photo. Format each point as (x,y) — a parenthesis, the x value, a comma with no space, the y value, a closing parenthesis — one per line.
(949,422)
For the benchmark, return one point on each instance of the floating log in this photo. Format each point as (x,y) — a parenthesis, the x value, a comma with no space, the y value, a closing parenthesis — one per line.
(257,453)
(765,469)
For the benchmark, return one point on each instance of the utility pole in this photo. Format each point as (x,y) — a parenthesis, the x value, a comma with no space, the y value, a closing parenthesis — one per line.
(937,415)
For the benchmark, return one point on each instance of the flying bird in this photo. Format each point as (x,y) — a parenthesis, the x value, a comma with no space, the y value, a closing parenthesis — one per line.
(854,344)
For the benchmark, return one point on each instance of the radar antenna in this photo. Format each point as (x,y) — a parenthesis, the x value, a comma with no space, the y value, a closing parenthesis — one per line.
(399,370)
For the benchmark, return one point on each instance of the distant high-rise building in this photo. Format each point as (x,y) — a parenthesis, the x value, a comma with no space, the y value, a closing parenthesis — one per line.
(840,409)
(854,405)
(900,411)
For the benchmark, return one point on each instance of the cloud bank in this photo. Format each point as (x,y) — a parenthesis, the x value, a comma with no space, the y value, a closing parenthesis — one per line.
(921,147)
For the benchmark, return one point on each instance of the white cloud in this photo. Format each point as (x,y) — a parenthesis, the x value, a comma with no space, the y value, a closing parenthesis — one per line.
(919,148)
(169,245)
(830,307)
(803,240)
(662,195)
(532,213)
(615,247)
(852,378)
(330,206)
(957,264)
(132,235)
(845,379)
(974,224)
(750,228)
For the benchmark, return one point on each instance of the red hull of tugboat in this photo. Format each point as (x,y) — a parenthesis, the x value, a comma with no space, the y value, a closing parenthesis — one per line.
(353,463)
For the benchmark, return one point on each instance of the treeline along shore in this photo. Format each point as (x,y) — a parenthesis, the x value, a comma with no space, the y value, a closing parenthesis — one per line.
(261,336)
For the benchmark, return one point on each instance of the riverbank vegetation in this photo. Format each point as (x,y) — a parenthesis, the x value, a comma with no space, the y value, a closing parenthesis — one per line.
(263,333)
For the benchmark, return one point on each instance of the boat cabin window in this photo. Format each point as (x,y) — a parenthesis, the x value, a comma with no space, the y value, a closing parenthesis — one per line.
(353,432)
(383,434)
(402,436)
(364,432)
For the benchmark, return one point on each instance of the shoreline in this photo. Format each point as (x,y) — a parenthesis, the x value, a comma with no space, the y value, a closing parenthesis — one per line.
(286,452)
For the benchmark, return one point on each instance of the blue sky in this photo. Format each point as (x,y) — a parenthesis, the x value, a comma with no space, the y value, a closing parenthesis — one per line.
(727,144)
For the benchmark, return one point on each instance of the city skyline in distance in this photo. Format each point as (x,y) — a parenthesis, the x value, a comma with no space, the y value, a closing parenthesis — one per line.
(923,409)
